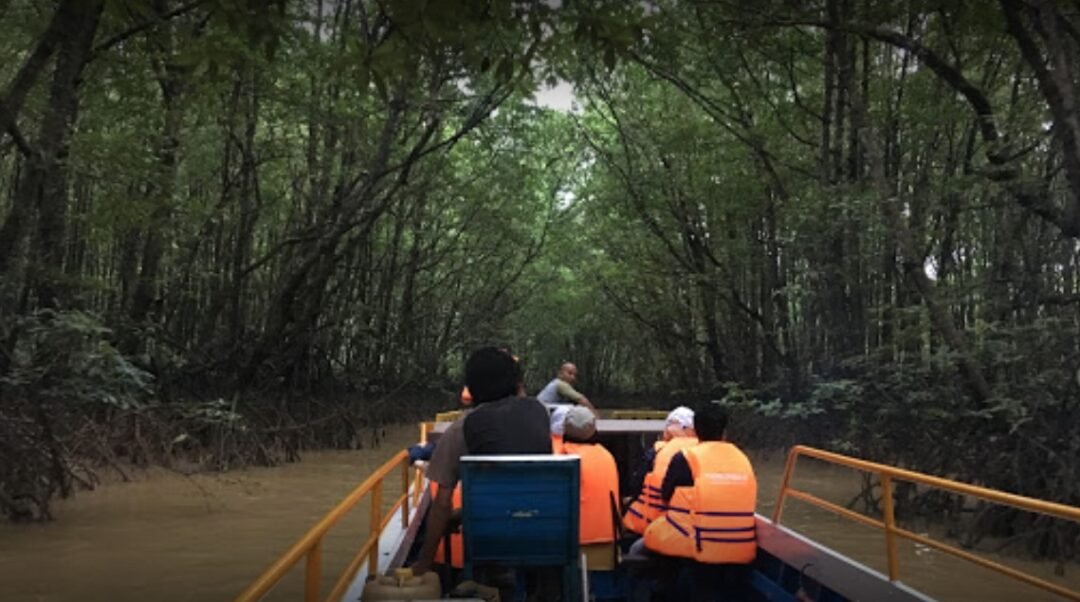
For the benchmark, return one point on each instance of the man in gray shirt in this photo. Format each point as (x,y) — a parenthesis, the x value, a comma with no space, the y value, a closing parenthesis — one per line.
(561,391)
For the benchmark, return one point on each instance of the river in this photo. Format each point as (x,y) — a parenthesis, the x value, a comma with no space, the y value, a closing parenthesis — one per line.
(170,538)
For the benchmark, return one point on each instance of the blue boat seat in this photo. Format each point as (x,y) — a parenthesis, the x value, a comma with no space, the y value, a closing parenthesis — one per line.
(522,511)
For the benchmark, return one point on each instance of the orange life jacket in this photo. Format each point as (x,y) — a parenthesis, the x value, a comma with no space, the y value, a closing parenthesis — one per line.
(712,521)
(457,543)
(648,505)
(599,486)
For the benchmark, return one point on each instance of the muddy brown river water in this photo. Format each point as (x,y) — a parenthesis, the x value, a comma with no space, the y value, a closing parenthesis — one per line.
(165,537)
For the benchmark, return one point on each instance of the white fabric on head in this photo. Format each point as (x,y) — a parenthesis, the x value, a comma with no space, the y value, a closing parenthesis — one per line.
(682,417)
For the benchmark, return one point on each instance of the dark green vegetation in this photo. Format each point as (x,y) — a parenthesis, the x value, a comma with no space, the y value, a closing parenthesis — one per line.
(235,229)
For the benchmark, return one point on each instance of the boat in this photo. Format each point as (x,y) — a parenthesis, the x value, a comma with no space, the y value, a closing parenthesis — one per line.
(790,567)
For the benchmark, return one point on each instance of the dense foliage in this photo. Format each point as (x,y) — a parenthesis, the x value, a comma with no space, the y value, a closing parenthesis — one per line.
(232,228)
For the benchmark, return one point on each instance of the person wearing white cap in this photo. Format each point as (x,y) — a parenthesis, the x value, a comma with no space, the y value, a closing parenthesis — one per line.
(679,423)
(678,435)
(599,477)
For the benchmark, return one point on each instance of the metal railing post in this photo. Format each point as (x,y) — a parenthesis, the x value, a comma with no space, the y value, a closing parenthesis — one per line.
(313,572)
(418,488)
(789,468)
(373,527)
(405,494)
(308,549)
(890,527)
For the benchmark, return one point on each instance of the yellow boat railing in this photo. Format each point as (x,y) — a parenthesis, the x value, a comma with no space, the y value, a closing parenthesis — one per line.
(448,416)
(887,474)
(638,414)
(310,546)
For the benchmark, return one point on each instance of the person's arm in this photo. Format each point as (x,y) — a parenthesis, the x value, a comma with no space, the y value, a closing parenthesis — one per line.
(678,475)
(443,469)
(584,401)
(566,391)
(438,519)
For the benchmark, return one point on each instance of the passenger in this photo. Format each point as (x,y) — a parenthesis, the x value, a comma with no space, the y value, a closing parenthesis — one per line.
(501,423)
(599,477)
(678,435)
(560,390)
(457,543)
(710,492)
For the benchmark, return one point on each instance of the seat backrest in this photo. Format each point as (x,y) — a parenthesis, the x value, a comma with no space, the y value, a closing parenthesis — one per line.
(520,510)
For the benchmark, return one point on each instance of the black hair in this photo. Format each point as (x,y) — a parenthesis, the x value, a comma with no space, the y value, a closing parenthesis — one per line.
(491,374)
(710,421)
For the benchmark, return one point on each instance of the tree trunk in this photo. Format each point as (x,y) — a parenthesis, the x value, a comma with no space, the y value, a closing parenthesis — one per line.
(51,181)
(170,83)
(250,204)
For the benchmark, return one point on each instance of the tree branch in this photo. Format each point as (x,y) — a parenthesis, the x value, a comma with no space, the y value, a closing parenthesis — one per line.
(1031,194)
(12,100)
(127,34)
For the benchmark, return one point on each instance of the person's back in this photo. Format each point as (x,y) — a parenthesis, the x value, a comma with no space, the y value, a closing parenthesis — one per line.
(724,496)
(512,425)
(599,491)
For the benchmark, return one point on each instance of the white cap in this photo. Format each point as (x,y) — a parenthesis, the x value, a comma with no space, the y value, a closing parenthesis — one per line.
(579,424)
(682,417)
